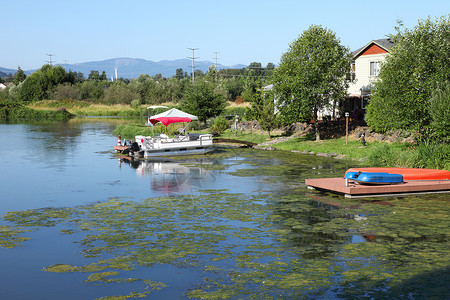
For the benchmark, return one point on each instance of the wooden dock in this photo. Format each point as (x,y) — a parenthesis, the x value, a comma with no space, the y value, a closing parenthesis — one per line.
(233,141)
(354,190)
(119,149)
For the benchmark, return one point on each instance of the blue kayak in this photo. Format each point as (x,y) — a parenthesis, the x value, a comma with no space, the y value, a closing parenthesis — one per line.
(374,178)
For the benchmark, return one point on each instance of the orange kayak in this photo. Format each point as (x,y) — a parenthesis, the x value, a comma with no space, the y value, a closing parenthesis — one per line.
(409,173)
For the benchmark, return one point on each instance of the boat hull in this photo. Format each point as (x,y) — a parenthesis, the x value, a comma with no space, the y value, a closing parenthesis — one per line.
(177,152)
(182,145)
(374,178)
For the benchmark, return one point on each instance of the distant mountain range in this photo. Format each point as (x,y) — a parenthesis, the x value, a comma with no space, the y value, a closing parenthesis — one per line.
(133,67)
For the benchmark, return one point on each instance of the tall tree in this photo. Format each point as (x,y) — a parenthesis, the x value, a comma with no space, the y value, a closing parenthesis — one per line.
(39,85)
(19,76)
(179,73)
(256,67)
(417,66)
(203,101)
(103,76)
(94,75)
(263,109)
(310,75)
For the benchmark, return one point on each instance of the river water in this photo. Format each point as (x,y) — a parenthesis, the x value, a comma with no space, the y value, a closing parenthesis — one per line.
(79,222)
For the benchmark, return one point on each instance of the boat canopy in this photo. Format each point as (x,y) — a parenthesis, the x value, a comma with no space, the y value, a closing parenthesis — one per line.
(172,116)
(156,106)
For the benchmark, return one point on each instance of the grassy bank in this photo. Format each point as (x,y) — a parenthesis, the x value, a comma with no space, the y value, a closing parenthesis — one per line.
(378,154)
(14,111)
(84,108)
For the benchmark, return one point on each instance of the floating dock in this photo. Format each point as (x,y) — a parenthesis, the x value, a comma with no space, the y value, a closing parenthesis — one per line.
(354,190)
(120,149)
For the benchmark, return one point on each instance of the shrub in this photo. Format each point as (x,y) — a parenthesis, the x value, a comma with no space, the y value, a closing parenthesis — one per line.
(10,110)
(415,68)
(135,103)
(220,124)
(440,113)
(432,155)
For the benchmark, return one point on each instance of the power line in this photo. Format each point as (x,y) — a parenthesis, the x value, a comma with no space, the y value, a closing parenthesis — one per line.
(50,58)
(193,59)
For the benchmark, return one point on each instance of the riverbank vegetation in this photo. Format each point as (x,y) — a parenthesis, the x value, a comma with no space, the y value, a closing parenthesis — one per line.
(14,111)
(377,153)
(413,95)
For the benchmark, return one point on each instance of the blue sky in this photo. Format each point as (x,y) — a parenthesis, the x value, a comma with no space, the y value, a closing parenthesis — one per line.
(240,31)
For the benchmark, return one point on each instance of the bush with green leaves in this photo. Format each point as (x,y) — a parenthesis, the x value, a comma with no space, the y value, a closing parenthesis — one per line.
(12,110)
(440,114)
(220,124)
(119,93)
(417,66)
(203,101)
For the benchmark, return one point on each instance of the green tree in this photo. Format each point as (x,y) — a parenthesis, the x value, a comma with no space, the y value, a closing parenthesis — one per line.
(40,84)
(179,73)
(256,67)
(234,87)
(94,75)
(263,110)
(19,76)
(92,90)
(65,91)
(119,93)
(311,74)
(203,100)
(270,66)
(417,66)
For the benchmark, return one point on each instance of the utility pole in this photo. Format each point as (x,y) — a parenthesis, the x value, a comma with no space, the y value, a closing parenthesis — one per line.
(215,66)
(50,58)
(65,65)
(216,53)
(193,58)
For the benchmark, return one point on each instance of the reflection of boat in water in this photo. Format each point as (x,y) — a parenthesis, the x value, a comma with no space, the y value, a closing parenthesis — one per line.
(173,176)
(164,145)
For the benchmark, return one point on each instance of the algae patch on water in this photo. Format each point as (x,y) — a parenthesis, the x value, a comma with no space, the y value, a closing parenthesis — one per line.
(280,244)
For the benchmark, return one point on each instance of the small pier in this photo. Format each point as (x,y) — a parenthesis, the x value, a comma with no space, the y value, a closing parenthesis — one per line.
(233,141)
(353,190)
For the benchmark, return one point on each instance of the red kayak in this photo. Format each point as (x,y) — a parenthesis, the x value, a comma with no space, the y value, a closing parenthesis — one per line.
(409,173)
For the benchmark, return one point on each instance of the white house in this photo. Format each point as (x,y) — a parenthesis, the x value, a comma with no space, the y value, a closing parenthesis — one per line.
(2,86)
(365,68)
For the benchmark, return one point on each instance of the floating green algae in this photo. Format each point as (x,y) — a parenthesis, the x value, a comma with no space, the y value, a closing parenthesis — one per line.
(10,237)
(285,244)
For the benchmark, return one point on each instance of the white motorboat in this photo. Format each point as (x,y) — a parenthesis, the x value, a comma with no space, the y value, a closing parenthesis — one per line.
(178,144)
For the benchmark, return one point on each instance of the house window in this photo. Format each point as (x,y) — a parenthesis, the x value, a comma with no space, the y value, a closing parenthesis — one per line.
(351,76)
(374,68)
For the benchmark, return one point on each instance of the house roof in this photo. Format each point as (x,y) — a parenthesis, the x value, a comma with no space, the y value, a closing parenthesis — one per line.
(385,44)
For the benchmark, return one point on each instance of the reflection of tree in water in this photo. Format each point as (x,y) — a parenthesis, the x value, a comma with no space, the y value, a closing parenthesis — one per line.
(171,176)
(57,136)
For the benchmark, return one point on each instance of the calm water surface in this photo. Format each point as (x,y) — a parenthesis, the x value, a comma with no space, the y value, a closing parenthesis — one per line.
(77,222)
